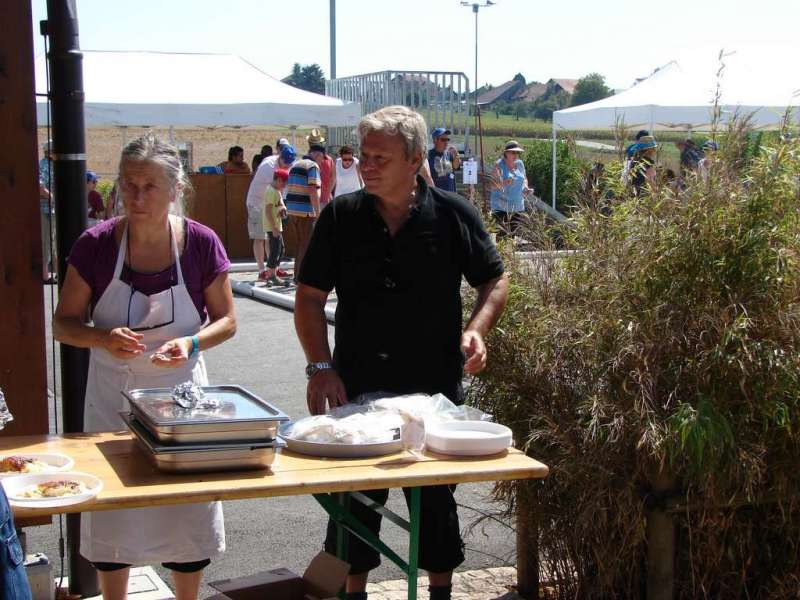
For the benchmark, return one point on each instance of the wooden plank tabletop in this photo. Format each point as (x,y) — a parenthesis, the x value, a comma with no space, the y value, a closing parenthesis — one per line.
(130,480)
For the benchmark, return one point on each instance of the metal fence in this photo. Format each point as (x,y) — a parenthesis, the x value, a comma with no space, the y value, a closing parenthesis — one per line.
(442,97)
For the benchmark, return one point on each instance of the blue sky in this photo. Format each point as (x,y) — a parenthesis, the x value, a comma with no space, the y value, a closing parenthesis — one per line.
(621,39)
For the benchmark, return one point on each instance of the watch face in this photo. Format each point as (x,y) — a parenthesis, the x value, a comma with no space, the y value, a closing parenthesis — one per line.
(310,369)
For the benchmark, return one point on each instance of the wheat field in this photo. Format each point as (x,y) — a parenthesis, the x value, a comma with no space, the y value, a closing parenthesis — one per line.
(210,146)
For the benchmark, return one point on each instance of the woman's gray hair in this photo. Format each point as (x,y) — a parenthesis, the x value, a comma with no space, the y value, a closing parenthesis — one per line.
(149,148)
(397,120)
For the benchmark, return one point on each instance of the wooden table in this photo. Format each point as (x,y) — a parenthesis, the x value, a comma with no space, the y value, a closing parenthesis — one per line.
(131,481)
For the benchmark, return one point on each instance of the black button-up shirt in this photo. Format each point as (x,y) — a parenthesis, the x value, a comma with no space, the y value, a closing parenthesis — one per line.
(399,314)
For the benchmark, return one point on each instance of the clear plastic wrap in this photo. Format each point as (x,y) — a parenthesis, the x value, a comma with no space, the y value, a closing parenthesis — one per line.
(5,414)
(347,427)
(376,417)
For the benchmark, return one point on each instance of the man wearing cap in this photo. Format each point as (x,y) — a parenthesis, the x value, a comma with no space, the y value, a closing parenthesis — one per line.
(97,209)
(302,205)
(327,170)
(642,174)
(48,209)
(443,160)
(255,201)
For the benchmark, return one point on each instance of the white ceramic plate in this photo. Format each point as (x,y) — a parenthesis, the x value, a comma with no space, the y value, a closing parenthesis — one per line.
(57,462)
(468,438)
(14,486)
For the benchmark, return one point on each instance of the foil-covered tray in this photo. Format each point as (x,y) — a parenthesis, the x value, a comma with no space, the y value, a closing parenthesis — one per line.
(240,415)
(192,458)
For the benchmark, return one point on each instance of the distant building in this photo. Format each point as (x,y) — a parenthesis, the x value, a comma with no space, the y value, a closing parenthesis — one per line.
(530,92)
(502,93)
(561,85)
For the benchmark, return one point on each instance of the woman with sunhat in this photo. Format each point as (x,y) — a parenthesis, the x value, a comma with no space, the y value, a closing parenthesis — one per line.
(643,165)
(507,200)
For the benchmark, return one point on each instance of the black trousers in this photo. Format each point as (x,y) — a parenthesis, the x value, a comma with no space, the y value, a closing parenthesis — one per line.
(275,250)
(186,567)
(440,546)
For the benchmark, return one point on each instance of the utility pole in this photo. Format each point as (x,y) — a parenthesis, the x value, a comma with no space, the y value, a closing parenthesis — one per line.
(476,6)
(333,38)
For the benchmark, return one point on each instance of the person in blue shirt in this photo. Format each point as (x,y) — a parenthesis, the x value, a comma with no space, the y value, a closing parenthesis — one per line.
(507,200)
(443,160)
(47,205)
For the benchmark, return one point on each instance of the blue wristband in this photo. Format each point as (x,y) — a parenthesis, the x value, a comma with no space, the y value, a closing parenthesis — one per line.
(195,346)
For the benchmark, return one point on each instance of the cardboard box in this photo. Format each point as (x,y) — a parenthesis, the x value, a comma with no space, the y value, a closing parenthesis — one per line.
(322,580)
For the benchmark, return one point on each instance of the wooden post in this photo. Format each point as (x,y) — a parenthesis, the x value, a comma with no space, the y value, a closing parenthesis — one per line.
(23,371)
(660,532)
(527,541)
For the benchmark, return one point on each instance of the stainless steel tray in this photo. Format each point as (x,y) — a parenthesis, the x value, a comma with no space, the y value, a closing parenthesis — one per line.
(194,458)
(333,450)
(242,416)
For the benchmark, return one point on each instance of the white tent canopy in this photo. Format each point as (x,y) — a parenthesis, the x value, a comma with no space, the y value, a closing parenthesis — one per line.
(681,95)
(162,89)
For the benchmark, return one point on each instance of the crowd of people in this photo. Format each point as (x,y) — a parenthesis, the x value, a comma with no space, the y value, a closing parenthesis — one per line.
(642,173)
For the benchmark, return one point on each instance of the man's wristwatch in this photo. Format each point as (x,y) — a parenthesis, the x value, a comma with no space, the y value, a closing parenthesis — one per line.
(313,368)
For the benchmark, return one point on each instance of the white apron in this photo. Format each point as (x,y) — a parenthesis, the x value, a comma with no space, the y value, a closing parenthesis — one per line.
(179,533)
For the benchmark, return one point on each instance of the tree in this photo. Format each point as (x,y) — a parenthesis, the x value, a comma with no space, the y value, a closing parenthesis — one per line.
(309,77)
(590,88)
(545,105)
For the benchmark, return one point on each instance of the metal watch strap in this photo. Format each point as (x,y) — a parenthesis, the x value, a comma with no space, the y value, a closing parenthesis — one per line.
(313,368)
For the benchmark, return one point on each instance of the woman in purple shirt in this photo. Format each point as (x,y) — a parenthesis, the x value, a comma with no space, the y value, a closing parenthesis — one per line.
(156,287)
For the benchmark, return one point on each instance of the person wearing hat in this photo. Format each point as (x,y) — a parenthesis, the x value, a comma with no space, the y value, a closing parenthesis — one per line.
(443,160)
(709,148)
(315,137)
(507,199)
(97,209)
(629,151)
(48,209)
(642,173)
(255,201)
(327,173)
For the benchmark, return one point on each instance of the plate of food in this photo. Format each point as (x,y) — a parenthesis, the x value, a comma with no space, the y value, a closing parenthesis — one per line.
(26,463)
(51,490)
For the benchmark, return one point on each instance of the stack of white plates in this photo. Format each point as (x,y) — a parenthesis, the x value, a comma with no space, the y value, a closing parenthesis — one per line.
(468,438)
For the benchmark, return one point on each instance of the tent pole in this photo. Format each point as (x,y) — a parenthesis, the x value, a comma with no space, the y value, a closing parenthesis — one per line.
(554,165)
(171,135)
(294,135)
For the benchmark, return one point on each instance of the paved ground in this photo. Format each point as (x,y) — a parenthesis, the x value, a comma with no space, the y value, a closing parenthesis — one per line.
(266,358)
(479,584)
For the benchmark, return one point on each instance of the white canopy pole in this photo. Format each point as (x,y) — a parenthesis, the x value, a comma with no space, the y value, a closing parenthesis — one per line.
(555,165)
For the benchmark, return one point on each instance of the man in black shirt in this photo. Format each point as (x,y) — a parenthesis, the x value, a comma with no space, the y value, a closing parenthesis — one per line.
(396,252)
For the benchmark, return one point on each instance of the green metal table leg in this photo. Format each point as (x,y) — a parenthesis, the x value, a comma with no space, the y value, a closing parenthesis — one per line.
(338,508)
(343,500)
(413,542)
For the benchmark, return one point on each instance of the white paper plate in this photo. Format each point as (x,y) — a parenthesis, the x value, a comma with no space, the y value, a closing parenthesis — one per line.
(331,450)
(58,462)
(468,438)
(15,485)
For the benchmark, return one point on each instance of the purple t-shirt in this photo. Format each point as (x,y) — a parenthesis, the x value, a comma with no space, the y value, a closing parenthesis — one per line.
(94,256)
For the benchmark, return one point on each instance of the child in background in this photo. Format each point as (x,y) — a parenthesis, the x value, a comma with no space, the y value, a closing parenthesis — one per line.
(274,210)
(97,209)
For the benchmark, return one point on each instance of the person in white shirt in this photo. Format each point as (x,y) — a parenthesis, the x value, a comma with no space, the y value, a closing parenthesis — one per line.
(255,199)
(348,177)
